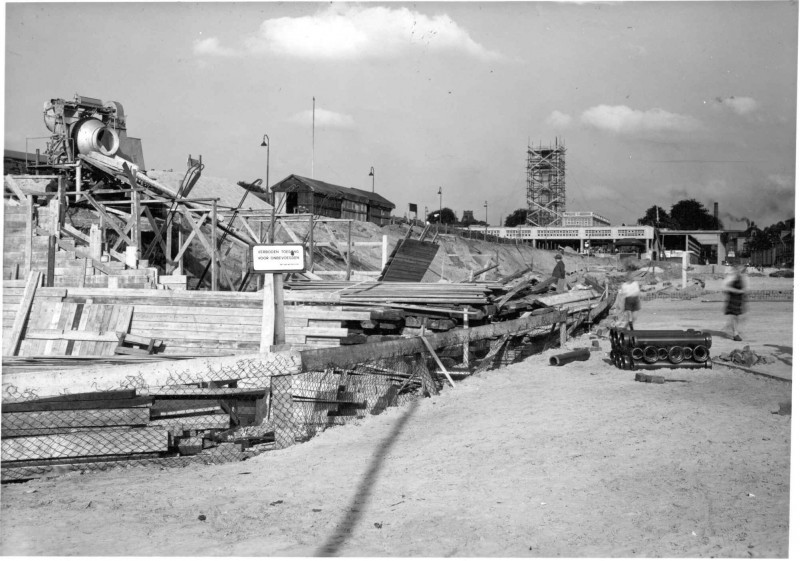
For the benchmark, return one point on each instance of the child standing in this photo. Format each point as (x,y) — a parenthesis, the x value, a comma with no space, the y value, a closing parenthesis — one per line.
(734,300)
(631,302)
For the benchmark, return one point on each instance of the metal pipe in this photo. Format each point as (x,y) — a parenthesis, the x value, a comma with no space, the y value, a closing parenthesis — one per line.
(564,358)
(700,353)
(650,355)
(675,354)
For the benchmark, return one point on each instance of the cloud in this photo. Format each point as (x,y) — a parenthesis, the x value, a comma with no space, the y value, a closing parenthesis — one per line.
(324,118)
(350,32)
(558,119)
(624,120)
(739,105)
(211,47)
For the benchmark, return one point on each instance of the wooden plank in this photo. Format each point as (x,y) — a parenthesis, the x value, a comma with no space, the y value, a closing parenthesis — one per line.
(567,297)
(86,396)
(145,327)
(34,279)
(56,319)
(183,312)
(323,312)
(93,443)
(208,393)
(156,413)
(25,406)
(62,335)
(438,361)
(197,422)
(318,331)
(75,418)
(230,319)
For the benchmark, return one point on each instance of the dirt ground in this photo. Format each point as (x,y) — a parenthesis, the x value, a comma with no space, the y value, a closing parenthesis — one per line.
(528,460)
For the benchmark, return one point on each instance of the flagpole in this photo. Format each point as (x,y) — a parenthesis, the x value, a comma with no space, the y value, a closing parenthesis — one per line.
(313,119)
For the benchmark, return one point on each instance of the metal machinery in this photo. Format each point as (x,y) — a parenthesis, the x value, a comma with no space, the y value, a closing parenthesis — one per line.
(546,193)
(88,125)
(654,348)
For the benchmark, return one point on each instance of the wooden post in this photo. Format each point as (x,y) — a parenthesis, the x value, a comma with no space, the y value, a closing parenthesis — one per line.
(51,260)
(78,181)
(29,228)
(562,333)
(385,251)
(34,278)
(349,247)
(466,343)
(95,243)
(280,319)
(272,317)
(214,262)
(169,264)
(260,278)
(58,219)
(180,245)
(137,230)
(684,267)
(311,241)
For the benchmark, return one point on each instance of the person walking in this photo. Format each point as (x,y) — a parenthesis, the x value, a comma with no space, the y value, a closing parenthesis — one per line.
(631,301)
(560,274)
(734,300)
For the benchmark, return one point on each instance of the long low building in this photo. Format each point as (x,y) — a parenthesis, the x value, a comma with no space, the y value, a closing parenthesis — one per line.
(703,246)
(579,238)
(302,194)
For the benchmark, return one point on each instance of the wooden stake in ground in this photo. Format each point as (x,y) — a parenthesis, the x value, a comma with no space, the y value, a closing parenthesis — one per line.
(439,362)
(272,319)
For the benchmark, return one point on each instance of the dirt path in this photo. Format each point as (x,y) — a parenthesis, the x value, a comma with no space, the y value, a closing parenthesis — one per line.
(529,460)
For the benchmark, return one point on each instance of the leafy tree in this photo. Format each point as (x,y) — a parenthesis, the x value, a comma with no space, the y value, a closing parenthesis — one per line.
(690,214)
(657,216)
(519,216)
(448,216)
(757,240)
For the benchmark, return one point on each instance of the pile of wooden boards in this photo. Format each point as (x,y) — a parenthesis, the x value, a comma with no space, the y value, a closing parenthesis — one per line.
(102,322)
(107,429)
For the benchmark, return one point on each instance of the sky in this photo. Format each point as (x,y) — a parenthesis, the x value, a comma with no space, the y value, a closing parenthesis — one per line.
(654,101)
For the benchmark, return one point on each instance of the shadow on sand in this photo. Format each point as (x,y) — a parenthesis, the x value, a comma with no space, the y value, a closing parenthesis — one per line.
(353,512)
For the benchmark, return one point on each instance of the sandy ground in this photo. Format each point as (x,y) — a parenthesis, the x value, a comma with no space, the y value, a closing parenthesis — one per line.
(528,460)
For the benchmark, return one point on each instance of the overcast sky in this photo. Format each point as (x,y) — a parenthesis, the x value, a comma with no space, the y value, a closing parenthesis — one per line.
(654,102)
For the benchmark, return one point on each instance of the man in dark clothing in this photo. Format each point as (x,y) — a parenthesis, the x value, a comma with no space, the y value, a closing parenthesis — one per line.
(560,274)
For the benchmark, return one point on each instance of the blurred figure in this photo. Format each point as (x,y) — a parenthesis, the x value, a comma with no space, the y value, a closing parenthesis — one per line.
(734,300)
(560,274)
(631,302)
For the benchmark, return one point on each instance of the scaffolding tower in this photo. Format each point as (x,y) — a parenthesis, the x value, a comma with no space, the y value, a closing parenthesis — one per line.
(546,193)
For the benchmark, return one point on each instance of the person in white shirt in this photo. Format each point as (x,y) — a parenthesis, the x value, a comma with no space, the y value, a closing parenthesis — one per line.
(631,302)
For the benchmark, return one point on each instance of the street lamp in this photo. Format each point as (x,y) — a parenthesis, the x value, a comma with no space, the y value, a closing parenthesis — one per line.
(265,142)
(440,205)
(372,175)
(486,227)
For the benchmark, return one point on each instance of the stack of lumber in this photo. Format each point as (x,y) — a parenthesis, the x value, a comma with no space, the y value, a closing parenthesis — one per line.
(444,294)
(113,428)
(102,322)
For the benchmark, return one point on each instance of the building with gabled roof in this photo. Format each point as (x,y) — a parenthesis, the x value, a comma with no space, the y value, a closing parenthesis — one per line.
(297,194)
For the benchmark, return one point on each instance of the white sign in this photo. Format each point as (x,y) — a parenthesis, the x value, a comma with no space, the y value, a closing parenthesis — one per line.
(279,258)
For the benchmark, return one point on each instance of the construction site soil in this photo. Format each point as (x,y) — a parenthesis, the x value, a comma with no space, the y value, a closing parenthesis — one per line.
(528,460)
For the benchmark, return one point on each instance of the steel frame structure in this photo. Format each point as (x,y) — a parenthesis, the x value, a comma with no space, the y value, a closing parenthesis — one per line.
(546,189)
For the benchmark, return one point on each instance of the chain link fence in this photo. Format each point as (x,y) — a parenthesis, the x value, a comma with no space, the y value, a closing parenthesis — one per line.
(229,413)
